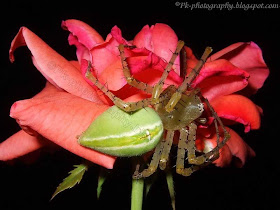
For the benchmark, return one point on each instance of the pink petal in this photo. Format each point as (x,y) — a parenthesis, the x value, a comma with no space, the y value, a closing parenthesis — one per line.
(61,117)
(225,157)
(20,144)
(161,40)
(75,64)
(208,143)
(82,52)
(220,67)
(216,86)
(219,78)
(247,56)
(85,34)
(26,141)
(235,146)
(147,69)
(239,148)
(239,109)
(60,72)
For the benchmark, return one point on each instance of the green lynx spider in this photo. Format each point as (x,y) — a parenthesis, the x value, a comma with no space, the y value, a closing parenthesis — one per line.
(179,109)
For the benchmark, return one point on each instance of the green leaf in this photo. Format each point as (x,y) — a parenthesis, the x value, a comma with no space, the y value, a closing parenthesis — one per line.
(101,179)
(74,178)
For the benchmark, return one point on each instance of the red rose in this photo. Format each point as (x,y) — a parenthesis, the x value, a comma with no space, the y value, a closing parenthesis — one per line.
(69,102)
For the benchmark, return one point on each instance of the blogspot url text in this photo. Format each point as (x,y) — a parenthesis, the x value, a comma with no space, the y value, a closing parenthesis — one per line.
(226,6)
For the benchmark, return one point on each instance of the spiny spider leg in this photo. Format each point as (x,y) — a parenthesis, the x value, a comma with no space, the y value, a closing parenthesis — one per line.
(153,164)
(188,80)
(183,63)
(215,152)
(166,149)
(158,87)
(182,147)
(129,78)
(126,106)
(192,158)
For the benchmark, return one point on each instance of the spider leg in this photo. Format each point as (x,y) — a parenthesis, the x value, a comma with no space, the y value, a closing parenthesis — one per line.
(126,106)
(153,164)
(158,87)
(166,150)
(192,159)
(182,147)
(188,80)
(215,152)
(129,78)
(183,63)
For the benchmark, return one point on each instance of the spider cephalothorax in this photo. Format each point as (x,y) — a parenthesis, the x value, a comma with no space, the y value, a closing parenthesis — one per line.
(179,109)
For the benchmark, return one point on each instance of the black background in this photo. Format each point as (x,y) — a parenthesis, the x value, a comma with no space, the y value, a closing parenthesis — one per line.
(255,186)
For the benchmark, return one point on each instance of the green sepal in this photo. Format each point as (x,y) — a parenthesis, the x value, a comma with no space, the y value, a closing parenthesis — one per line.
(74,178)
(124,134)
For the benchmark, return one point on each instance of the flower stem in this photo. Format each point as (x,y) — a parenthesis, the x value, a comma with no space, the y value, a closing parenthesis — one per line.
(137,190)
(137,194)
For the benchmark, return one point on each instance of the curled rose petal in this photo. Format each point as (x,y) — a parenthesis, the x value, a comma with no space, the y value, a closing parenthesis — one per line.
(239,109)
(60,118)
(239,148)
(219,78)
(57,69)
(86,35)
(159,39)
(82,36)
(106,60)
(219,85)
(140,66)
(235,146)
(220,67)
(23,143)
(247,56)
(20,144)
(82,52)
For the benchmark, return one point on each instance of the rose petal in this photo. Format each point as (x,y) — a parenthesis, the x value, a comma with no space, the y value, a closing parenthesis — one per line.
(216,86)
(161,40)
(60,118)
(247,56)
(239,109)
(206,144)
(239,148)
(85,34)
(82,52)
(76,65)
(225,157)
(60,72)
(235,146)
(22,143)
(140,67)
(220,67)
(107,53)
(19,144)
